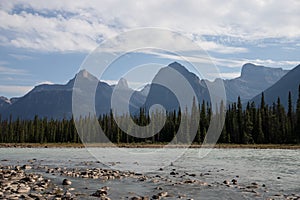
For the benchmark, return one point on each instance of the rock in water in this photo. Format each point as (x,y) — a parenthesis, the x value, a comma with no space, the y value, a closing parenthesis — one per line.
(66,182)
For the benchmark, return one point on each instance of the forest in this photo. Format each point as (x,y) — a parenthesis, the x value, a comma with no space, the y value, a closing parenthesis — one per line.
(251,124)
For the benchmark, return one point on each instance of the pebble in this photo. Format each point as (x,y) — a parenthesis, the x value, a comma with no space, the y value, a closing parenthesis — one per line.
(226,182)
(17,183)
(26,167)
(173,173)
(66,182)
(234,181)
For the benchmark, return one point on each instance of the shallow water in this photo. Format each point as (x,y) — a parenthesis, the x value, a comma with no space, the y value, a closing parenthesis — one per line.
(277,169)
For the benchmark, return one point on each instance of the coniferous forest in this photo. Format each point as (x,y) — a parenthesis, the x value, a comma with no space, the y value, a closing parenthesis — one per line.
(251,124)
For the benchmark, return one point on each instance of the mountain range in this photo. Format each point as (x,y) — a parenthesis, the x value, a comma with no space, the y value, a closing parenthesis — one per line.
(288,83)
(253,80)
(55,101)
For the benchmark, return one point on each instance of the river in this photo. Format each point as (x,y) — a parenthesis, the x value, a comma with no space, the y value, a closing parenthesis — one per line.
(276,172)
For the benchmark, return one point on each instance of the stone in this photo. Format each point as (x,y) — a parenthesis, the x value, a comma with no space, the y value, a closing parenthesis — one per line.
(163,194)
(66,182)
(156,197)
(68,194)
(234,181)
(23,189)
(172,173)
(226,182)
(252,186)
(100,193)
(26,167)
(136,198)
(105,188)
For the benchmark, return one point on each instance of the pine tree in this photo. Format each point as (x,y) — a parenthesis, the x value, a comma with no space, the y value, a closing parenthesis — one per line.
(240,121)
(297,131)
(282,136)
(260,135)
(247,132)
(263,118)
(290,124)
(203,122)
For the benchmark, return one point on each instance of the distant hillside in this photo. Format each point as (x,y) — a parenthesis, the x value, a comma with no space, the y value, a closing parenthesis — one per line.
(253,80)
(4,102)
(165,96)
(289,82)
(55,101)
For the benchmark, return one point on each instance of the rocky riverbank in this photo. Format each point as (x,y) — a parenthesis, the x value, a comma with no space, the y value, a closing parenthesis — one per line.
(33,181)
(146,145)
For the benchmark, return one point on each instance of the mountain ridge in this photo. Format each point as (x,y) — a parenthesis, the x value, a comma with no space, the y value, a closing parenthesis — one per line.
(55,100)
(288,83)
(253,80)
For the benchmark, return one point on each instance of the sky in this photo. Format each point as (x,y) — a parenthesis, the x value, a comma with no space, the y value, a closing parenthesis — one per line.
(46,42)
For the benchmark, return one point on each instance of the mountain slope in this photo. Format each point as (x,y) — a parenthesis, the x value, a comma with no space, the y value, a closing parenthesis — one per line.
(289,82)
(253,80)
(4,103)
(55,101)
(164,96)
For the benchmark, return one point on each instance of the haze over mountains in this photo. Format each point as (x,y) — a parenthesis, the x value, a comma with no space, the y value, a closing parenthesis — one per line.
(55,101)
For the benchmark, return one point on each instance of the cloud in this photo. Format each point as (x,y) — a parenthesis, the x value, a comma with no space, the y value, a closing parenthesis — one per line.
(131,84)
(19,90)
(20,57)
(286,64)
(81,25)
(45,83)
(14,90)
(27,30)
(11,71)
(219,48)
(230,75)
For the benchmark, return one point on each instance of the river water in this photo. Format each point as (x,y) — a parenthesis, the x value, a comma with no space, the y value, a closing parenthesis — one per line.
(276,171)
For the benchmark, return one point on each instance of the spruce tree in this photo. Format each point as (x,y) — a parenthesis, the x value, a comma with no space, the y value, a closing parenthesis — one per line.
(297,131)
(260,135)
(203,121)
(290,120)
(240,121)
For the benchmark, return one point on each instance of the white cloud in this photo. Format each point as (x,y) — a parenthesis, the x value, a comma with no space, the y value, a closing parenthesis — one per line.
(230,75)
(14,90)
(80,25)
(11,71)
(19,90)
(286,64)
(215,47)
(45,83)
(131,84)
(20,57)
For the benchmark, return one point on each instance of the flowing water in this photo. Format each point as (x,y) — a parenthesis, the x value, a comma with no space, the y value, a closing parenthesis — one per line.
(276,171)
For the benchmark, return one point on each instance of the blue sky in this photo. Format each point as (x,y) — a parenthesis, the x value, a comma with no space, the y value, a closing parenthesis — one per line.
(46,42)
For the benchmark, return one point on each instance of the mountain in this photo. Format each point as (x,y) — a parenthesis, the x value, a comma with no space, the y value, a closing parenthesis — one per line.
(289,82)
(55,101)
(253,80)
(124,99)
(166,96)
(4,103)
(45,101)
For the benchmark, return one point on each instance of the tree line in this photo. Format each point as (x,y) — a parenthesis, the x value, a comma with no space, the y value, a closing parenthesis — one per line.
(263,124)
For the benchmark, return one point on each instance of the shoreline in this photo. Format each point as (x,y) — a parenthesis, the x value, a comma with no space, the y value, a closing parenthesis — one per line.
(143,145)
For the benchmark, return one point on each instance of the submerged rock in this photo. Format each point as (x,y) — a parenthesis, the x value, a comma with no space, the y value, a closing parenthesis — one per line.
(66,182)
